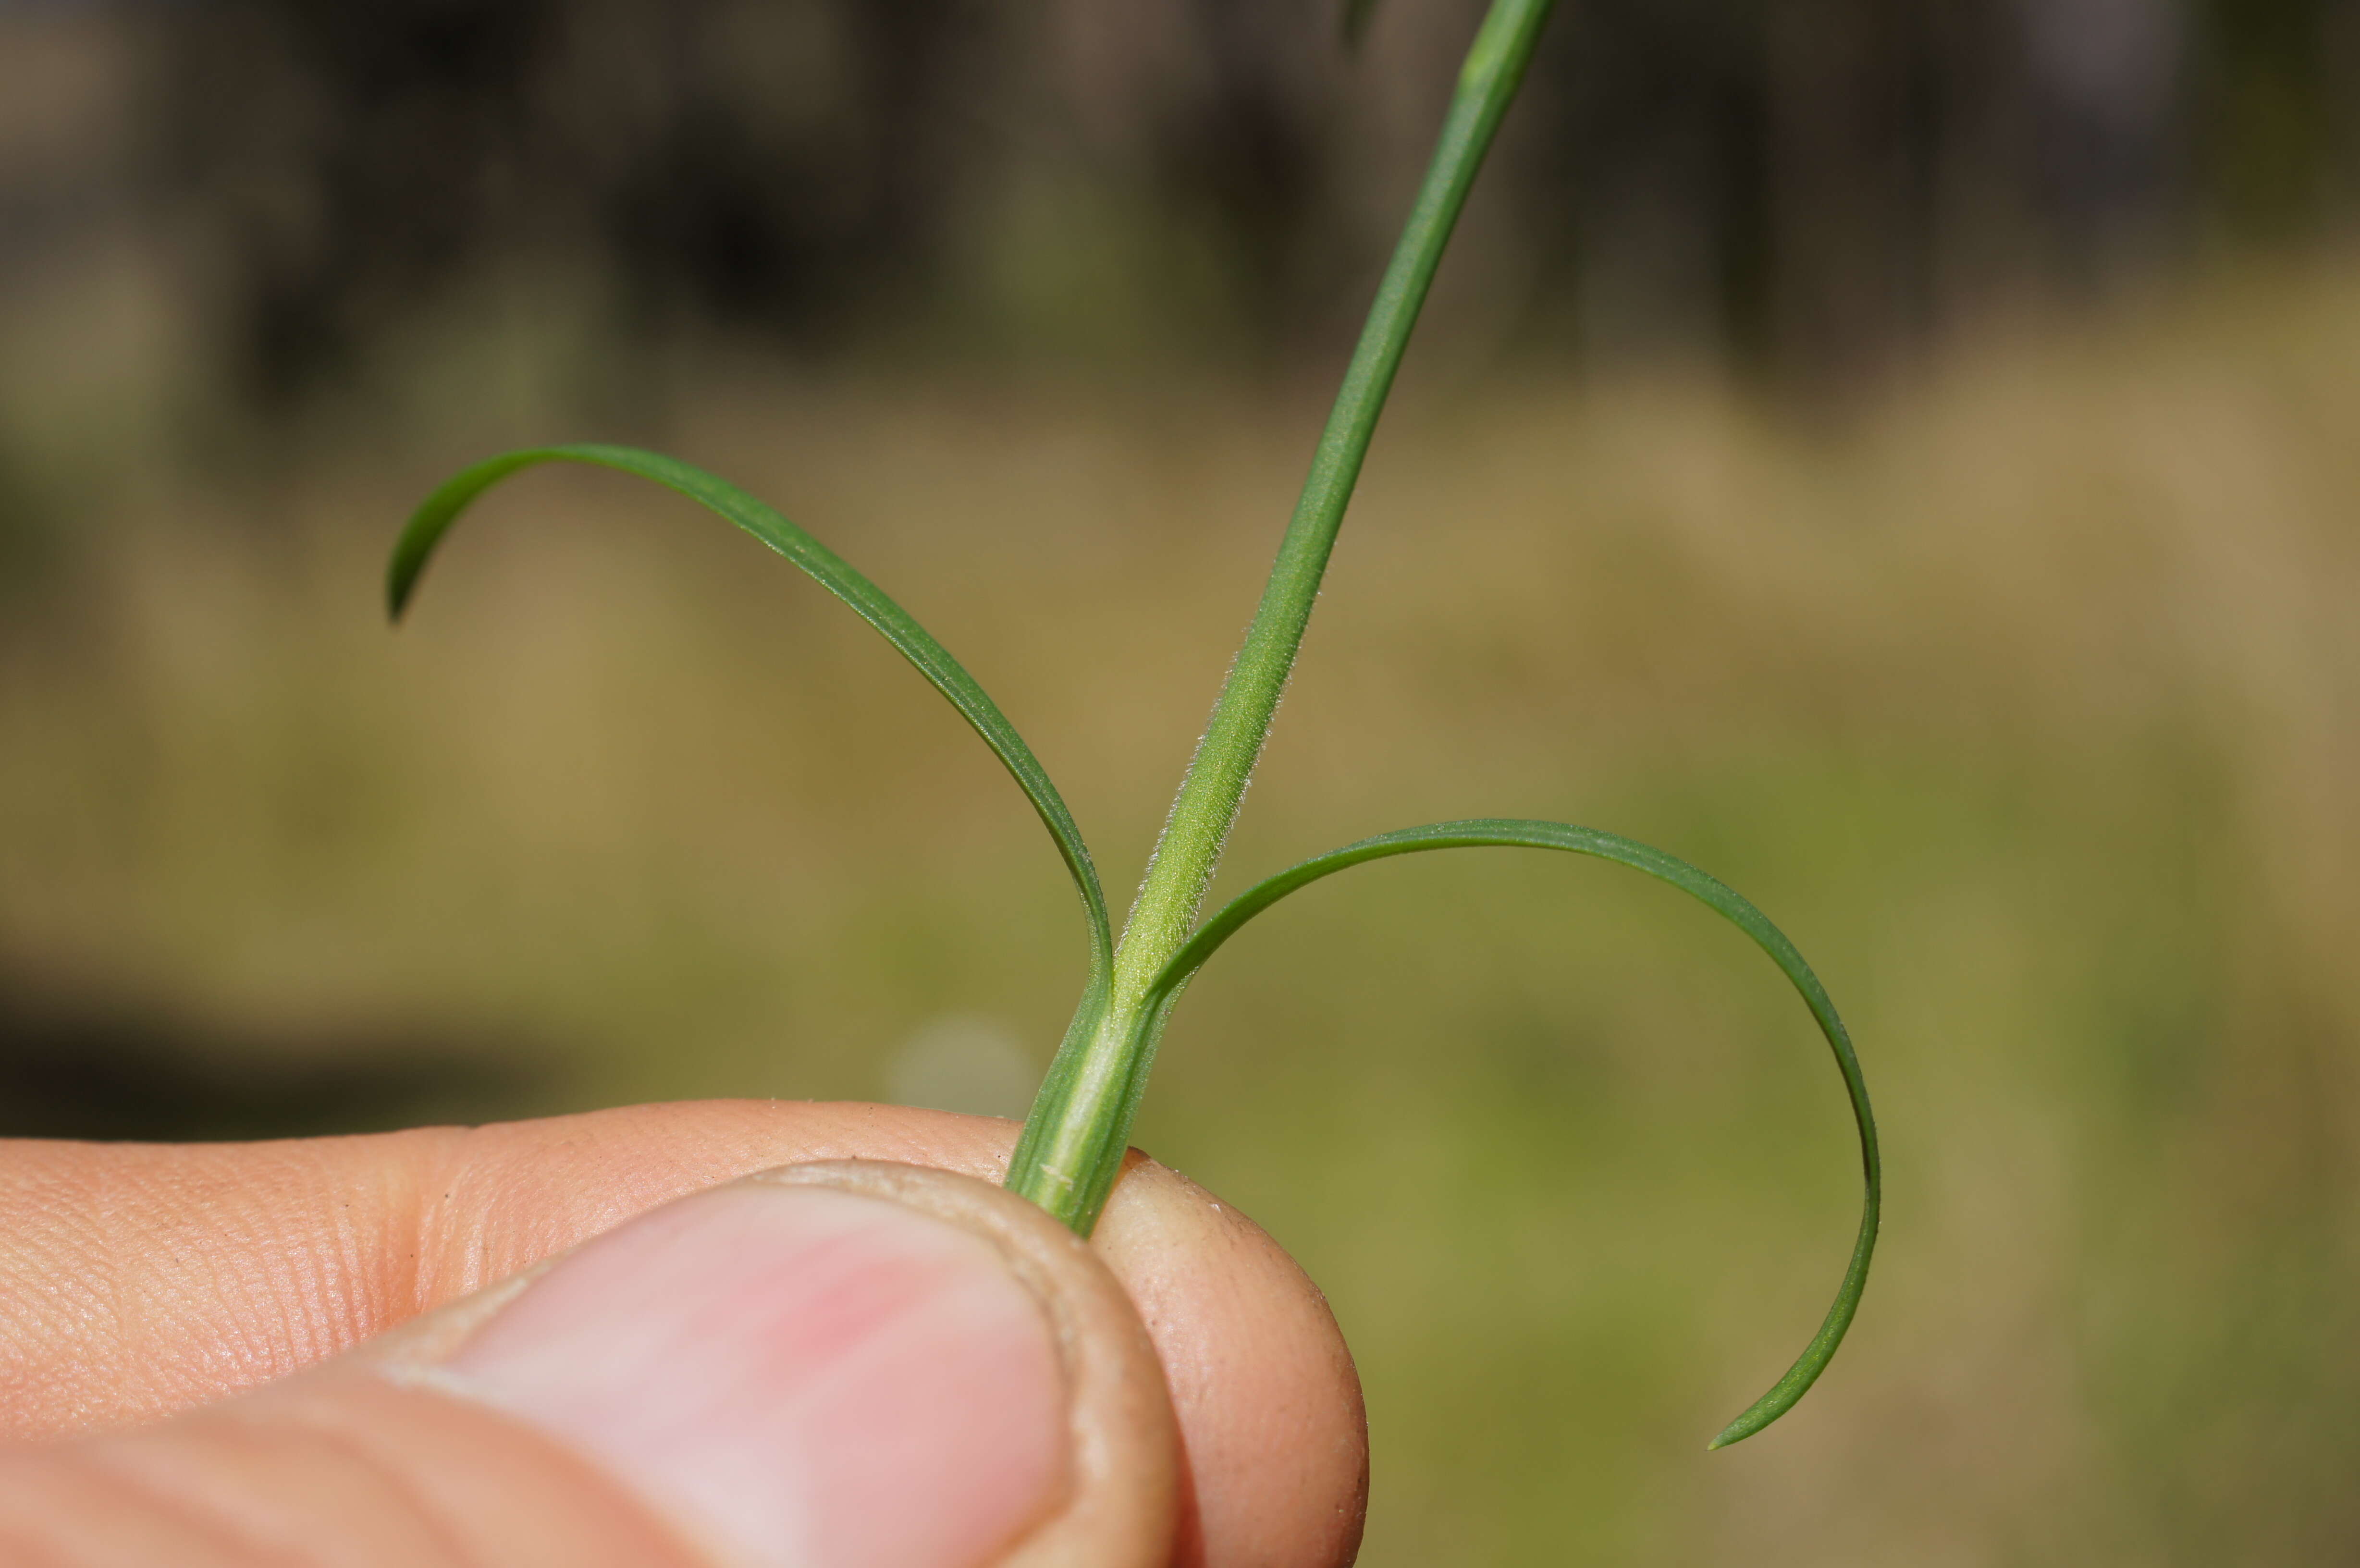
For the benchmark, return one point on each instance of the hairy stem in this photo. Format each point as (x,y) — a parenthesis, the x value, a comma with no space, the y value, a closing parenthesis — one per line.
(1073,1140)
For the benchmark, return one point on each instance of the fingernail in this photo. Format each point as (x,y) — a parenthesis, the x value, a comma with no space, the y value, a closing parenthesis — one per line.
(798,1377)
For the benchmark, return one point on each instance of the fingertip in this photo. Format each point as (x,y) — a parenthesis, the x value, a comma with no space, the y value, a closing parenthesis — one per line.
(1268,1398)
(855,1363)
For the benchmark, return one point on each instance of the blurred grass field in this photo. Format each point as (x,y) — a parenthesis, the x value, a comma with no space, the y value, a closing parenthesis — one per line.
(2028,700)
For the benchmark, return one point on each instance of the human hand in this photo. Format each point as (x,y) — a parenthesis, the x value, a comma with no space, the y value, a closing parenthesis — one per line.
(321,1352)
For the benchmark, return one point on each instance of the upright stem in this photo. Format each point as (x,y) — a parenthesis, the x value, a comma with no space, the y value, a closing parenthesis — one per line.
(1073,1143)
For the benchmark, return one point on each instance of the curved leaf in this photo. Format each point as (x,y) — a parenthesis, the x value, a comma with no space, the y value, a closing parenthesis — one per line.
(1721,898)
(439,510)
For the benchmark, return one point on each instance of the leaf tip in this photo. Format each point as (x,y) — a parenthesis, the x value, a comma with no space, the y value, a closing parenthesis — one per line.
(1761,1413)
(400,579)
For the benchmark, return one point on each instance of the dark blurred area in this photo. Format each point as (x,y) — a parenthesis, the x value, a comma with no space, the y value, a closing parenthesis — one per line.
(73,1067)
(1812,187)
(1902,457)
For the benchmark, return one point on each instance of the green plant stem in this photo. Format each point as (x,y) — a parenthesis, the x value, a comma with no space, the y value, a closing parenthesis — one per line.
(1073,1143)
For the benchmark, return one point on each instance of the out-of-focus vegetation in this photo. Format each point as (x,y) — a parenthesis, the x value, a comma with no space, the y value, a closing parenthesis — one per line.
(2026,705)
(1816,186)
(2022,688)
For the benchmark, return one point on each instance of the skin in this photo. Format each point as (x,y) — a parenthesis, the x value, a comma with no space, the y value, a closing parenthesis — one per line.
(142,1282)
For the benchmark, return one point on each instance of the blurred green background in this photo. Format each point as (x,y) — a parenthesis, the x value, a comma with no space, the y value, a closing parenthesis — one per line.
(1904,458)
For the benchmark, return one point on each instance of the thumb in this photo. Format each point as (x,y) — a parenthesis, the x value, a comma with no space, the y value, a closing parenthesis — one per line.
(853,1363)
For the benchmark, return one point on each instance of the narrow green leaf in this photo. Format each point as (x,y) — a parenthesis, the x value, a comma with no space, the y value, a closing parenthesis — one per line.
(441,509)
(1358,14)
(1489,832)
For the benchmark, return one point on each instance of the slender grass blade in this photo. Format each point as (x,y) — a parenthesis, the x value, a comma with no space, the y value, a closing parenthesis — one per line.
(947,675)
(1725,901)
